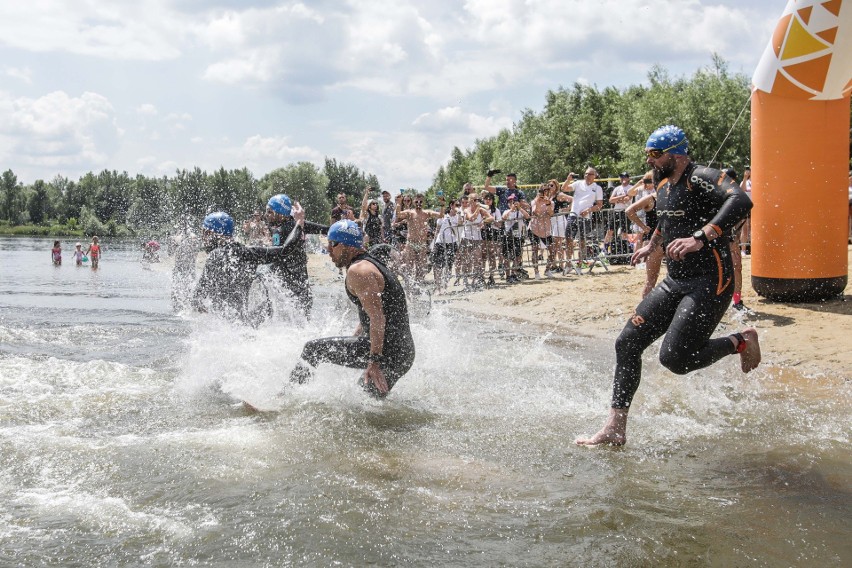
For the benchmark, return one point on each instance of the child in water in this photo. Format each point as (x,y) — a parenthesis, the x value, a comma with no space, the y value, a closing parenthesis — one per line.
(78,254)
(56,254)
(94,252)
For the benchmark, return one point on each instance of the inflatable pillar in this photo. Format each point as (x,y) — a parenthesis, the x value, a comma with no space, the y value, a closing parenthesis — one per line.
(800,154)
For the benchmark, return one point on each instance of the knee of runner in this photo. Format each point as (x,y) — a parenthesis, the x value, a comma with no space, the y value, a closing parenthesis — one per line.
(674,361)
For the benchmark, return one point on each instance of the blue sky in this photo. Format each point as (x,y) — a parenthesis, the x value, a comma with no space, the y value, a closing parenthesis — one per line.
(150,86)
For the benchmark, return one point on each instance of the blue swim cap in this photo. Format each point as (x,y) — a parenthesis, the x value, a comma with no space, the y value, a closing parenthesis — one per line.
(670,139)
(280,203)
(220,223)
(347,232)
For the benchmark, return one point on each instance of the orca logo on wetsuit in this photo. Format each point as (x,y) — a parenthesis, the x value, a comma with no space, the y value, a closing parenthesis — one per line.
(637,320)
(702,183)
(667,213)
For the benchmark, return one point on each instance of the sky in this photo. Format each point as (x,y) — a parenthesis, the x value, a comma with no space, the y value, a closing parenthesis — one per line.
(153,86)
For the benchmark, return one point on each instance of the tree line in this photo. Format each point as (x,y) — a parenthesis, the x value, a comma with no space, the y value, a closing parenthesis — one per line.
(578,127)
(585,126)
(116,204)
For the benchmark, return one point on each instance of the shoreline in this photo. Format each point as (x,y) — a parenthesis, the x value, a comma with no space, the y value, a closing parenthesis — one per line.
(807,337)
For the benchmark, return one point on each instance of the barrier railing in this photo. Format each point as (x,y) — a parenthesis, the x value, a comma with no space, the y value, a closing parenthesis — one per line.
(494,251)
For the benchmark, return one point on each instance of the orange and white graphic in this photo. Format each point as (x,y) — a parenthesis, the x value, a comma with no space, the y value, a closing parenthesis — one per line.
(809,54)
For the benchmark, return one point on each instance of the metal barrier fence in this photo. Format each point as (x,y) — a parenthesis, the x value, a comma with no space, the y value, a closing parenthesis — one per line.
(481,252)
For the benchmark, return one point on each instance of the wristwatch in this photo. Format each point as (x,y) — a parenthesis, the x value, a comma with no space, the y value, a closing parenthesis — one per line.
(375,358)
(700,236)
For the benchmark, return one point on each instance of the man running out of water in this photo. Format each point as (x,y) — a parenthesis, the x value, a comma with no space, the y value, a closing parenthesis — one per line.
(697,207)
(291,269)
(230,268)
(382,344)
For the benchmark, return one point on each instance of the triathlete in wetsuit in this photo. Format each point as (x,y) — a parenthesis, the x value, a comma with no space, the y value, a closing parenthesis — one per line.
(382,343)
(696,207)
(230,268)
(292,269)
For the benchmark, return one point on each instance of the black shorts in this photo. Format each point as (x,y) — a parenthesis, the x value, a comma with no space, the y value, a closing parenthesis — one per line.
(512,246)
(444,254)
(578,227)
(548,240)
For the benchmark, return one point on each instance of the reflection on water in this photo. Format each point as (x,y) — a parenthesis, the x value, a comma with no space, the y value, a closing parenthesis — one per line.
(121,444)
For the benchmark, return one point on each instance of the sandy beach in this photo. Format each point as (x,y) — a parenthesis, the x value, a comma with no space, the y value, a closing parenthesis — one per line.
(813,338)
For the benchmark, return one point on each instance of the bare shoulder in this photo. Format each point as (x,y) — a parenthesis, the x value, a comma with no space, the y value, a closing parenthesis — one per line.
(363,274)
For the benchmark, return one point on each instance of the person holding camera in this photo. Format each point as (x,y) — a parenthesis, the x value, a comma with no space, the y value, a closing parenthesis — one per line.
(542,211)
(504,192)
(370,219)
(445,246)
(514,229)
(588,198)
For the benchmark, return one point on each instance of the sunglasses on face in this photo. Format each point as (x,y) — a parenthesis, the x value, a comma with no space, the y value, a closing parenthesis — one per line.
(654,153)
(648,181)
(418,202)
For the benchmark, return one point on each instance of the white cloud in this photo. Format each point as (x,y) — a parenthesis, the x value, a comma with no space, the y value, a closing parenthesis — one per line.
(406,80)
(142,30)
(271,152)
(147,109)
(454,120)
(58,131)
(23,74)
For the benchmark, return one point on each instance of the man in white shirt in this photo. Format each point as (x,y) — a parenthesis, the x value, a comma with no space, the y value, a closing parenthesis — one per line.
(619,200)
(588,198)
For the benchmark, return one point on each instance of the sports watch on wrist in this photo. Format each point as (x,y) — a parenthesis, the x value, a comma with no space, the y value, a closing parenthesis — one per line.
(700,236)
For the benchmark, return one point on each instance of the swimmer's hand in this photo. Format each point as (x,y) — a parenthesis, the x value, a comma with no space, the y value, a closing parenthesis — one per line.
(374,376)
(298,213)
(679,248)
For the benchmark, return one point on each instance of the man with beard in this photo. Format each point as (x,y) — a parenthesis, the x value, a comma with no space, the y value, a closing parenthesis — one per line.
(382,344)
(697,207)
(230,268)
(415,255)
(292,269)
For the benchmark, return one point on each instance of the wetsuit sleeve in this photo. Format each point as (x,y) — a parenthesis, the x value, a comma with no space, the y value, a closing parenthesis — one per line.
(267,255)
(206,282)
(312,228)
(732,201)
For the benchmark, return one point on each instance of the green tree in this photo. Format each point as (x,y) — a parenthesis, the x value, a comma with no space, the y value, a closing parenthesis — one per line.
(11,196)
(150,210)
(190,194)
(90,224)
(114,195)
(348,179)
(304,183)
(38,202)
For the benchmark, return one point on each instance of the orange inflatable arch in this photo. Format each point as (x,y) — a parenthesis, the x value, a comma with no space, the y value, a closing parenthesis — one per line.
(800,154)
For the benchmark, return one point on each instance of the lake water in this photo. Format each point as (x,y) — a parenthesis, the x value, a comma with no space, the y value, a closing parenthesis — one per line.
(121,444)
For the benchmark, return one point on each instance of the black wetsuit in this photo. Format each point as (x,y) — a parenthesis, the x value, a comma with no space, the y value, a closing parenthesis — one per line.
(292,270)
(689,303)
(353,351)
(228,274)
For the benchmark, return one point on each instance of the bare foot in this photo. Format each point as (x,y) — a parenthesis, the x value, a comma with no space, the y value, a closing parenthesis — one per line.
(605,437)
(750,358)
(614,432)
